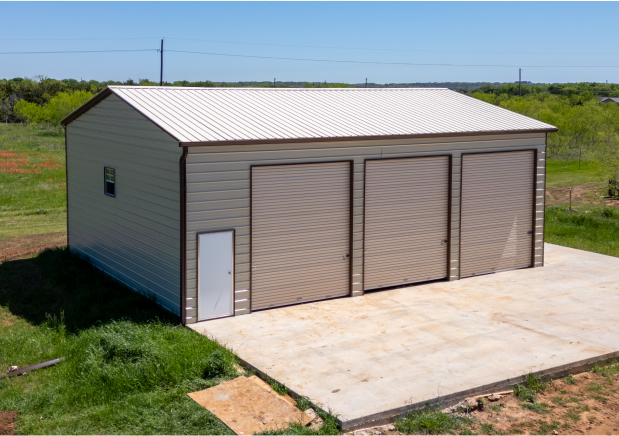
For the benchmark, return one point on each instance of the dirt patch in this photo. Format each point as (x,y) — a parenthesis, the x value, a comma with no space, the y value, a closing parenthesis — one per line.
(16,248)
(593,194)
(586,404)
(7,422)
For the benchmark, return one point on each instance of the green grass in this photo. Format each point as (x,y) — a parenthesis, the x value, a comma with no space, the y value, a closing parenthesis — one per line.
(559,401)
(574,413)
(541,408)
(128,367)
(570,380)
(129,364)
(432,421)
(593,229)
(32,180)
(547,428)
(566,173)
(528,390)
(607,370)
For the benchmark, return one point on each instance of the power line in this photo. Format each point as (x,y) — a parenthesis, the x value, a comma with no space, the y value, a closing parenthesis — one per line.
(392,63)
(74,51)
(75,39)
(387,49)
(308,59)
(308,46)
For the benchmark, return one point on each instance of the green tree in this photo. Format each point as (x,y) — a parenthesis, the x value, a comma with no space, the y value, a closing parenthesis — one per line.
(55,110)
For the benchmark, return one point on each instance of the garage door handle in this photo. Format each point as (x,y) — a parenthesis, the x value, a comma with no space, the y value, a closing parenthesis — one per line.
(346,256)
(530,232)
(443,242)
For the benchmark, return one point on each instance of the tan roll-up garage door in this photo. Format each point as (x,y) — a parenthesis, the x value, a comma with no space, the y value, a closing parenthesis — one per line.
(300,233)
(406,221)
(496,212)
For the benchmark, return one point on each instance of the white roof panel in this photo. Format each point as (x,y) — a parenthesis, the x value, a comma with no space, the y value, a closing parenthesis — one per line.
(197,115)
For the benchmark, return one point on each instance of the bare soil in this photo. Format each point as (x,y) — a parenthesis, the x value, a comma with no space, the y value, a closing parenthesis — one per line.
(7,422)
(19,247)
(590,406)
(593,194)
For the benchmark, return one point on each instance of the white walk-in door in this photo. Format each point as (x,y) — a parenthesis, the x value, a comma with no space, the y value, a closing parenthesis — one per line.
(215,274)
(406,221)
(300,233)
(496,212)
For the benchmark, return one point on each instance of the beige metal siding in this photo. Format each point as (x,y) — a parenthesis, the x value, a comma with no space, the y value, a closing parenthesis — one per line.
(406,221)
(300,242)
(218,187)
(134,236)
(497,212)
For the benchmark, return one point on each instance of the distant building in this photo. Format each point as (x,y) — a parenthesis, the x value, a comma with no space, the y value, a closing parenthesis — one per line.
(609,100)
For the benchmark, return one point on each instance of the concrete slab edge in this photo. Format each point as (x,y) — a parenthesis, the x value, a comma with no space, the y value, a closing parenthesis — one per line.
(389,416)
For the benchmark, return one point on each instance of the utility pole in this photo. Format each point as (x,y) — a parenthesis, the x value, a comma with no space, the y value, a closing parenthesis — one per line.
(274,83)
(519,81)
(161,69)
(366,82)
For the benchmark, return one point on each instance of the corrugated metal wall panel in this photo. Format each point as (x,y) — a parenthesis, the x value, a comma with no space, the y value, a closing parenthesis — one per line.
(300,224)
(134,236)
(497,212)
(406,220)
(208,185)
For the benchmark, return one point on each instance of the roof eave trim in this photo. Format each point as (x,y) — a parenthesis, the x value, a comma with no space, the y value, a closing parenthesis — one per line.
(86,107)
(358,138)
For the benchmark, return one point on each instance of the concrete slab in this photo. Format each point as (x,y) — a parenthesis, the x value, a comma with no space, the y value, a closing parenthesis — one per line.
(370,357)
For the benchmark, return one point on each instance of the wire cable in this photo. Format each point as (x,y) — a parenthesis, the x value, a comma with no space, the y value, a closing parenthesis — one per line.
(387,49)
(76,39)
(76,51)
(392,63)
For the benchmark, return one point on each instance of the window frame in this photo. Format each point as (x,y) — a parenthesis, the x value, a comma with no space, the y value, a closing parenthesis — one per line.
(106,181)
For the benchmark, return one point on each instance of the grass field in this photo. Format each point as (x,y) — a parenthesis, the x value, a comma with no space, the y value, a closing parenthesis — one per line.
(129,364)
(32,181)
(591,228)
(566,173)
(594,226)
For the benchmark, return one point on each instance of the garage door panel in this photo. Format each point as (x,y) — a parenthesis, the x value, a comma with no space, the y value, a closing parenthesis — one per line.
(300,233)
(406,218)
(496,231)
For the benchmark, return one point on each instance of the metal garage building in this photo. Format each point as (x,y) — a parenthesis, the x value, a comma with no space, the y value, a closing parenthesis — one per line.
(220,201)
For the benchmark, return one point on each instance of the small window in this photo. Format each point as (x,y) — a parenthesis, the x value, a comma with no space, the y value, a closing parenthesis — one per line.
(110,182)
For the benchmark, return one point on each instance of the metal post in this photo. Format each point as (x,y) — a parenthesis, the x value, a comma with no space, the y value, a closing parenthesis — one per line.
(570,199)
(161,68)
(274,83)
(366,82)
(519,81)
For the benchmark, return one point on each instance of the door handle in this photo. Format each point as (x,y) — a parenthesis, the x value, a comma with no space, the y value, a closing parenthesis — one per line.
(443,241)
(346,256)
(530,232)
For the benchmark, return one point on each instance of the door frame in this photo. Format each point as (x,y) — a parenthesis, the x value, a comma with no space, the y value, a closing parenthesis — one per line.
(351,181)
(449,201)
(198,319)
(535,157)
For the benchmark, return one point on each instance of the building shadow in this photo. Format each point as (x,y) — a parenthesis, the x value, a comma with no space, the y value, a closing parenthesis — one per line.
(57,283)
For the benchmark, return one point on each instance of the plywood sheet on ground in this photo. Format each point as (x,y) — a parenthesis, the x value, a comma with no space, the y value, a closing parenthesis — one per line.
(248,408)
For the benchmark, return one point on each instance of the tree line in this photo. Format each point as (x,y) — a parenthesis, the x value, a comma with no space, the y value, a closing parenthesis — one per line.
(588,129)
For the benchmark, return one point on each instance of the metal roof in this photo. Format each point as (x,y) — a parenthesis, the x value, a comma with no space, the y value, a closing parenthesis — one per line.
(222,115)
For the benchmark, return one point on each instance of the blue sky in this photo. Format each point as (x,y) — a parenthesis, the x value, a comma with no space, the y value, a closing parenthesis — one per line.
(524,34)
